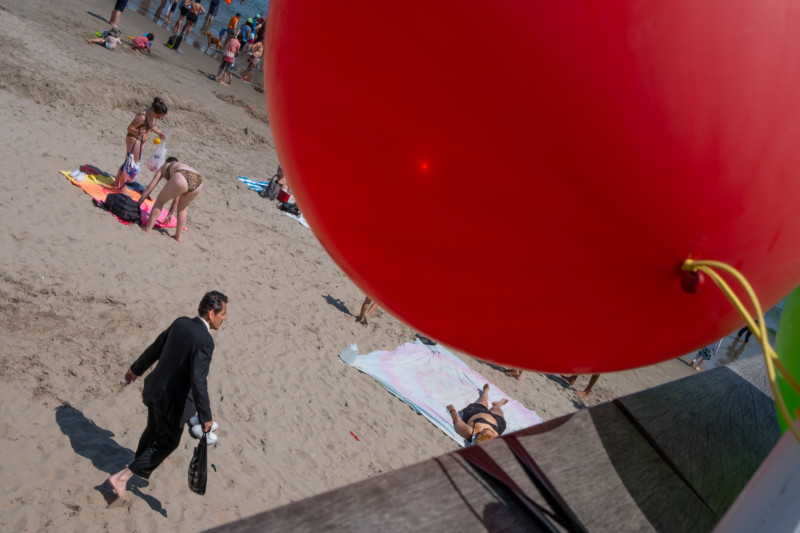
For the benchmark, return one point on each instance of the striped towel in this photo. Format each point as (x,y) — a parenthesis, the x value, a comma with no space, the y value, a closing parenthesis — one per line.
(257,186)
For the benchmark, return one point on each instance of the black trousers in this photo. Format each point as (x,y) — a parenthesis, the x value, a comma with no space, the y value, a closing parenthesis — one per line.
(160,438)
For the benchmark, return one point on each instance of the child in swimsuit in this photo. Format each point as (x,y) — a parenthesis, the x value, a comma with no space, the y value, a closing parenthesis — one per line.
(110,39)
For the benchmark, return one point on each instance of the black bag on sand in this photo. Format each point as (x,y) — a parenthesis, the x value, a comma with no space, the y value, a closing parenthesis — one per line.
(198,467)
(290,208)
(124,207)
(271,190)
(174,41)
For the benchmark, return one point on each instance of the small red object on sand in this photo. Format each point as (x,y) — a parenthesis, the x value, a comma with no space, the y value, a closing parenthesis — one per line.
(355,437)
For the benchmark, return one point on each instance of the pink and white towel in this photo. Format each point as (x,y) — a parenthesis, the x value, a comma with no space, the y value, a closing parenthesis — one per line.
(428,378)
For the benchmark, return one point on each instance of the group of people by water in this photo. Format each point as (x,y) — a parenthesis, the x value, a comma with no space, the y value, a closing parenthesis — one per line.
(240,37)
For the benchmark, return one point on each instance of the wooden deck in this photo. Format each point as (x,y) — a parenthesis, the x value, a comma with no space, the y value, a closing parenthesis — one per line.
(672,458)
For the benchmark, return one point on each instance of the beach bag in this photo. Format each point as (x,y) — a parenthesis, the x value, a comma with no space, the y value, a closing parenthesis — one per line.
(123,207)
(292,209)
(175,41)
(198,467)
(157,159)
(130,168)
(271,190)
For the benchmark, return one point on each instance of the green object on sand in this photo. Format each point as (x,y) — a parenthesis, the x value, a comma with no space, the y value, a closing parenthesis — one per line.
(214,467)
(98,34)
(787,345)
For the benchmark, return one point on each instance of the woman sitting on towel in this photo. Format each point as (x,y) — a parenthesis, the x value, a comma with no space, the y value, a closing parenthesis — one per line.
(480,423)
(183,185)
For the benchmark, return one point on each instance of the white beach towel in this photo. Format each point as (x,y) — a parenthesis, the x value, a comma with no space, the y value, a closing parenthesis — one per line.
(430,378)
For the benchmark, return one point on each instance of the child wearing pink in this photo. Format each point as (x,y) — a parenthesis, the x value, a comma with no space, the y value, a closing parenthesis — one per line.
(231,51)
(142,42)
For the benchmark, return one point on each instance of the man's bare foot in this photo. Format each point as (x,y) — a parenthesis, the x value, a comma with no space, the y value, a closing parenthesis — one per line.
(501,403)
(486,387)
(178,239)
(118,485)
(582,393)
(514,373)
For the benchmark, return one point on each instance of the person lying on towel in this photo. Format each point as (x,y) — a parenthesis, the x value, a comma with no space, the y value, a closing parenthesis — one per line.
(479,423)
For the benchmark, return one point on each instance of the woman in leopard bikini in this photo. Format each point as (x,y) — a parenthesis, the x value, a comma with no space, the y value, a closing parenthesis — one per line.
(183,185)
(138,131)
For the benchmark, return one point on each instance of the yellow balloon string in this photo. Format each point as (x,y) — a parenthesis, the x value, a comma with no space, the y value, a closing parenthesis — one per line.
(758,327)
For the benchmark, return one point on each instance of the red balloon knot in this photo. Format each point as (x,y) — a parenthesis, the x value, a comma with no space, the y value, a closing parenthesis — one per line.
(692,282)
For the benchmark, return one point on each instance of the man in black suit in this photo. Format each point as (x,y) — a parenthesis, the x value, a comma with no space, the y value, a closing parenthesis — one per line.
(176,388)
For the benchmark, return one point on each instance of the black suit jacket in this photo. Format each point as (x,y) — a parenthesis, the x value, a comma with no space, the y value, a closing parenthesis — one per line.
(183,352)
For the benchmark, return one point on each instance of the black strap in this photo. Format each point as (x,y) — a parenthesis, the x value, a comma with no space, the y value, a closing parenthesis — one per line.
(478,458)
(569,520)
(561,514)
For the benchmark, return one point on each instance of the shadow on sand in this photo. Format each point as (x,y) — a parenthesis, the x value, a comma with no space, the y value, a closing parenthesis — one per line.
(97,445)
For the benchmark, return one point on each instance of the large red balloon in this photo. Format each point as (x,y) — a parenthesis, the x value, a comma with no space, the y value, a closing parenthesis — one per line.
(522,180)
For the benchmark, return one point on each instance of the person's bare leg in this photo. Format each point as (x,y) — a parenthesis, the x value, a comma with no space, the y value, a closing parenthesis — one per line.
(175,187)
(119,482)
(372,307)
(173,209)
(699,364)
(130,143)
(585,392)
(183,202)
(364,308)
(159,10)
(496,407)
(570,379)
(484,398)
(114,18)
(187,28)
(177,25)
(155,212)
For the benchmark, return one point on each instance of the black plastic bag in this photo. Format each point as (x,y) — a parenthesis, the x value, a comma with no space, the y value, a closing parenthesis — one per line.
(198,467)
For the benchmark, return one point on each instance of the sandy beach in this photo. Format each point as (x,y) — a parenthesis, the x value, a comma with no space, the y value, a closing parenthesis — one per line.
(82,295)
